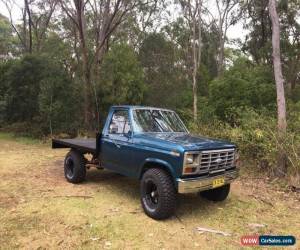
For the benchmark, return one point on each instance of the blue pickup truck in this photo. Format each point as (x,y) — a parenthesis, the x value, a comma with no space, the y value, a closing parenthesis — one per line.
(154,146)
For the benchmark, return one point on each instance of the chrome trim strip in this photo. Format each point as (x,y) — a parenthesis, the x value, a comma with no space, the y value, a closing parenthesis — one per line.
(217,171)
(219,150)
(192,185)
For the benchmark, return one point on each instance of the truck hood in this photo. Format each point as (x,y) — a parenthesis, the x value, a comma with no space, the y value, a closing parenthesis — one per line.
(185,140)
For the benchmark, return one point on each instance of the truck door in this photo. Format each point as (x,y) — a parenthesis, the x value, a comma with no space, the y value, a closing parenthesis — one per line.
(115,143)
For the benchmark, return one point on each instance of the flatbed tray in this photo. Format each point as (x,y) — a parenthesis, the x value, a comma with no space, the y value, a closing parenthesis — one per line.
(83,145)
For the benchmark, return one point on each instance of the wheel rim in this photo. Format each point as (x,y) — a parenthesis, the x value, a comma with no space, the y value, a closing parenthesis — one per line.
(69,167)
(151,195)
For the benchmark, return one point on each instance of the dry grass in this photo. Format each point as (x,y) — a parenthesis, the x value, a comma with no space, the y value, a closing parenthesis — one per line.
(40,210)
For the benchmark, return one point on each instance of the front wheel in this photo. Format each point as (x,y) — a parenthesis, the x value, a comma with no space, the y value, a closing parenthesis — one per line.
(158,194)
(216,194)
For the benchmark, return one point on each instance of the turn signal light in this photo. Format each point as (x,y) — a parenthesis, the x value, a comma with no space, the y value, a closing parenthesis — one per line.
(189,170)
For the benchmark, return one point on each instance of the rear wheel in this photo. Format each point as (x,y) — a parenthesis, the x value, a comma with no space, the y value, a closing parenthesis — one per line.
(74,167)
(216,194)
(158,194)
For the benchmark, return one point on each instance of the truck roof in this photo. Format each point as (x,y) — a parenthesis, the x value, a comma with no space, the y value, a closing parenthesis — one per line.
(137,107)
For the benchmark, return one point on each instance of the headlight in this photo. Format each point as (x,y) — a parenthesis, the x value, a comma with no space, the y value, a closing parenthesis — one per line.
(191,161)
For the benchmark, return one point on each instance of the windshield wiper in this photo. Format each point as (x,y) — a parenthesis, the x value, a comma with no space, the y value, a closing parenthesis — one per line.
(154,119)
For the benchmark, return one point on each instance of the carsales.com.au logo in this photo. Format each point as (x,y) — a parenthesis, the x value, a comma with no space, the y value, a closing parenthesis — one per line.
(268,240)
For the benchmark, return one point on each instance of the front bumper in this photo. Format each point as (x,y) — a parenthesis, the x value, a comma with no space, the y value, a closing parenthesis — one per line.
(192,185)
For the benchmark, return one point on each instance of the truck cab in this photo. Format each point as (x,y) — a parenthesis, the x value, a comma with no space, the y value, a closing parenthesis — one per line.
(154,146)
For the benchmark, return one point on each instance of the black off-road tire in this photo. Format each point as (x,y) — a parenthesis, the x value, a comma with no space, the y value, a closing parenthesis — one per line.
(163,202)
(216,194)
(74,167)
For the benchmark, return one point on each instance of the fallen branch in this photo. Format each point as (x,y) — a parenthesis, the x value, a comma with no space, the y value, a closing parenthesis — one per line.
(60,242)
(295,189)
(73,196)
(202,229)
(178,218)
(262,200)
(267,202)
(255,225)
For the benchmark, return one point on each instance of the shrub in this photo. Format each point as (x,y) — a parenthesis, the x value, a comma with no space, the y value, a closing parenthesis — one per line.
(256,138)
(121,77)
(37,97)
(242,86)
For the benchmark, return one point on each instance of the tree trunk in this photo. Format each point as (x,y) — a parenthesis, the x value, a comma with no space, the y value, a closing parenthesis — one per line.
(195,67)
(86,65)
(29,25)
(196,54)
(221,57)
(220,66)
(87,94)
(103,22)
(281,108)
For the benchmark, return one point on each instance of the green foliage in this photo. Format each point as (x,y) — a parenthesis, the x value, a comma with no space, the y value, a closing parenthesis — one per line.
(293,110)
(4,67)
(203,78)
(258,41)
(55,48)
(243,85)
(6,37)
(166,83)
(145,63)
(256,137)
(59,102)
(36,93)
(23,79)
(122,80)
(209,50)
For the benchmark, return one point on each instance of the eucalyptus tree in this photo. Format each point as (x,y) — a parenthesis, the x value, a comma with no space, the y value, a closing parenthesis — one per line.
(281,106)
(6,38)
(228,14)
(258,41)
(35,21)
(21,33)
(95,22)
(192,13)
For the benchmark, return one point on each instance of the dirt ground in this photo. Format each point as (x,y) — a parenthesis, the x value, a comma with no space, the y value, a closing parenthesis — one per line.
(40,210)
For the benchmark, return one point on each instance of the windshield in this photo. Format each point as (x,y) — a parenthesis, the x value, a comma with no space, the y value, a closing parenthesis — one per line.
(156,120)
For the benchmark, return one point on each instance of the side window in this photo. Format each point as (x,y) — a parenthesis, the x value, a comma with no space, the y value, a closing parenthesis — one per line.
(119,123)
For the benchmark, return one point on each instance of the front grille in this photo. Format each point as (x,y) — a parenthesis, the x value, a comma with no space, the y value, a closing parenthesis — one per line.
(216,160)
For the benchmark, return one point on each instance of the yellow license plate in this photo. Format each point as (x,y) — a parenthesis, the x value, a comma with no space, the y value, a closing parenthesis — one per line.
(218,182)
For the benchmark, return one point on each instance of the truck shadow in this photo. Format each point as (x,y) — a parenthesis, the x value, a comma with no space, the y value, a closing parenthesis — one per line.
(115,182)
(188,204)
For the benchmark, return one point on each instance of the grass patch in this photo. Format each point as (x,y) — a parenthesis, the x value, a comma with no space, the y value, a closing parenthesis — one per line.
(39,209)
(7,136)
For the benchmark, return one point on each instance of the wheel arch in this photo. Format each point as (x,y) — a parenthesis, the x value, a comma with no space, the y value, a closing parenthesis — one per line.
(157,163)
